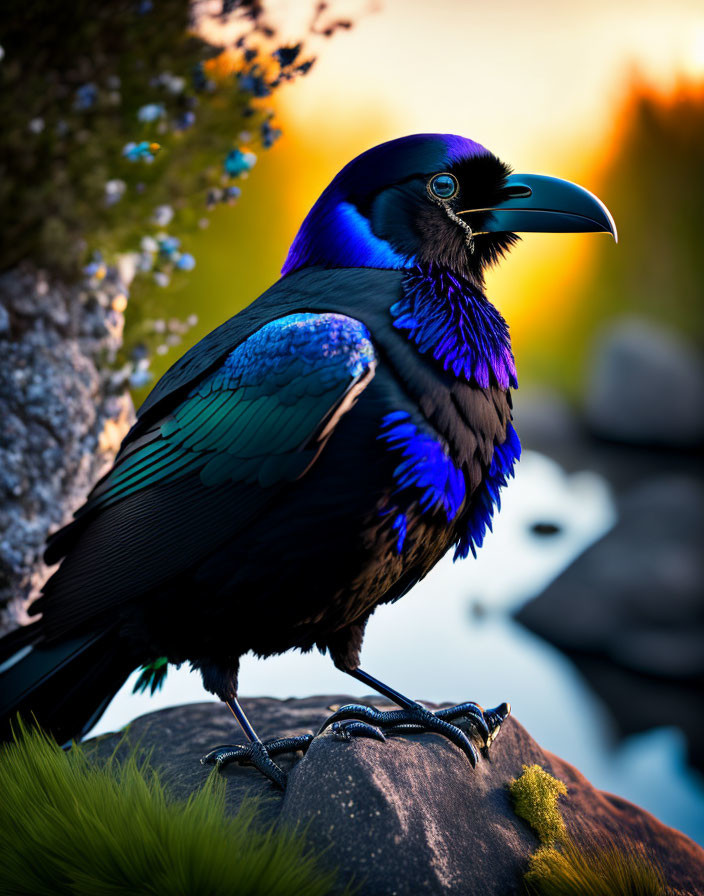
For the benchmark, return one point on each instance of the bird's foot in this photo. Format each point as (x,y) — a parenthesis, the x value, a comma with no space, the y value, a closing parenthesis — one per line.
(457,723)
(259,754)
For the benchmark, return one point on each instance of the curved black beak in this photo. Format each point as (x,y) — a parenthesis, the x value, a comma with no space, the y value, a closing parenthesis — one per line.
(536,203)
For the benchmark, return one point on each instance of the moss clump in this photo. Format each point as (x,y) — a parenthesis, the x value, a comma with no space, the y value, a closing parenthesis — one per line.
(562,868)
(535,796)
(70,827)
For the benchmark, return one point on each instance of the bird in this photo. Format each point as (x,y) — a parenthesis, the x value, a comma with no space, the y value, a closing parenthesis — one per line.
(307,461)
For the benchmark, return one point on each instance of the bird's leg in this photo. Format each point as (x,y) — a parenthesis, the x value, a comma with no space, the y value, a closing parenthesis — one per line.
(257,752)
(365,721)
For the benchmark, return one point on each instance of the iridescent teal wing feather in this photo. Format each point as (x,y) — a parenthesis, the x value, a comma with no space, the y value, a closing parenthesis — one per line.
(259,418)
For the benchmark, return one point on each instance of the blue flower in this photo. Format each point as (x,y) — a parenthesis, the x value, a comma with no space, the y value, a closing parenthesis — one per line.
(151,112)
(185,121)
(168,244)
(114,191)
(162,215)
(269,134)
(186,262)
(238,162)
(86,97)
(140,152)
(254,82)
(140,377)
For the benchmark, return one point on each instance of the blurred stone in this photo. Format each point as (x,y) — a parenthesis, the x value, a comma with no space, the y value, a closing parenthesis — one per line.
(407,816)
(544,417)
(645,386)
(630,610)
(56,400)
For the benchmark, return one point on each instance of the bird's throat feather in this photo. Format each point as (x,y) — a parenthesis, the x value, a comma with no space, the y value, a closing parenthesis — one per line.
(446,317)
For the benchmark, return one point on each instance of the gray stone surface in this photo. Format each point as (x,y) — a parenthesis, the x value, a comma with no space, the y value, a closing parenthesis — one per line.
(63,412)
(630,610)
(645,386)
(409,816)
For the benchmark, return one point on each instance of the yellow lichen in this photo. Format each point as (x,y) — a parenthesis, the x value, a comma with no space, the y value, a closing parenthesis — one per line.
(535,796)
(560,867)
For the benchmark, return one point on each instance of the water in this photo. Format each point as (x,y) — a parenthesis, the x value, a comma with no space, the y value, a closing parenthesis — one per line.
(453,638)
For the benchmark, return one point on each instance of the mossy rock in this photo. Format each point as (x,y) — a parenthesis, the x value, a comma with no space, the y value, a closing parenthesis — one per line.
(407,816)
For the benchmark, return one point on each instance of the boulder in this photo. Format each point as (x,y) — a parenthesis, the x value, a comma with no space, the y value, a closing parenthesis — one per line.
(630,610)
(645,386)
(407,816)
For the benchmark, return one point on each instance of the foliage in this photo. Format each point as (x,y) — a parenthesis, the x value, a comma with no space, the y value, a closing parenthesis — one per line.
(123,130)
(535,796)
(652,179)
(560,867)
(67,826)
(654,182)
(116,117)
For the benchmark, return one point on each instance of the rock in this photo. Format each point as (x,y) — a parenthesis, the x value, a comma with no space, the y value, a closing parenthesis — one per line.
(544,417)
(645,386)
(630,610)
(61,417)
(407,816)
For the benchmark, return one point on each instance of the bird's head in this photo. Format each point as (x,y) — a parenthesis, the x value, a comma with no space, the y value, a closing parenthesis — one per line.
(436,199)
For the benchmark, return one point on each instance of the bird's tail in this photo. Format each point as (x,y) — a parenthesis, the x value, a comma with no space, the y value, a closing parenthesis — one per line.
(64,686)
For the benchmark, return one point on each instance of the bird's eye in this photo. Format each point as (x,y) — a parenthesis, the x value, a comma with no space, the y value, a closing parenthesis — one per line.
(443,186)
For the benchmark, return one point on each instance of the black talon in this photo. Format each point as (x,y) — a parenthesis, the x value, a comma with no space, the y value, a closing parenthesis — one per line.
(495,718)
(415,718)
(474,716)
(352,711)
(350,728)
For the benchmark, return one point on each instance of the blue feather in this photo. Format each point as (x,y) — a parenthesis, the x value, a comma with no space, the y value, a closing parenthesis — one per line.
(426,468)
(447,317)
(487,497)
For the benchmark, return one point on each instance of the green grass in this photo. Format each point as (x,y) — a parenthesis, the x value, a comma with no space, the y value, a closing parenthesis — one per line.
(70,827)
(572,870)
(561,867)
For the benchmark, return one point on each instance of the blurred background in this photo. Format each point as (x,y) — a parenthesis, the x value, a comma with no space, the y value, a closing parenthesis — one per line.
(585,608)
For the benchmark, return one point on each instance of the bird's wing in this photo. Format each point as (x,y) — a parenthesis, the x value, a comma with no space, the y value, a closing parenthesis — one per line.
(259,420)
(262,416)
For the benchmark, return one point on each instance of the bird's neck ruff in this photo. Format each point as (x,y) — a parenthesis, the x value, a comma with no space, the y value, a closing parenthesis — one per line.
(447,316)
(335,234)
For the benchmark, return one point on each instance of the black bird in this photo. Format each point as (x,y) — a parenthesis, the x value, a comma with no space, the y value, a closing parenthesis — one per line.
(311,458)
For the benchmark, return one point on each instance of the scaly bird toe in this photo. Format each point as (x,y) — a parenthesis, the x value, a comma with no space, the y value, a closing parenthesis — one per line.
(470,715)
(357,719)
(259,755)
(349,728)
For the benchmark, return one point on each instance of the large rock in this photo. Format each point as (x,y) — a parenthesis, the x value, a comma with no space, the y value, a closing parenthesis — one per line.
(645,386)
(63,413)
(630,611)
(407,816)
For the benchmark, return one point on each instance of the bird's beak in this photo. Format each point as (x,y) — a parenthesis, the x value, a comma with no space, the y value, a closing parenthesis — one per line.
(536,203)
